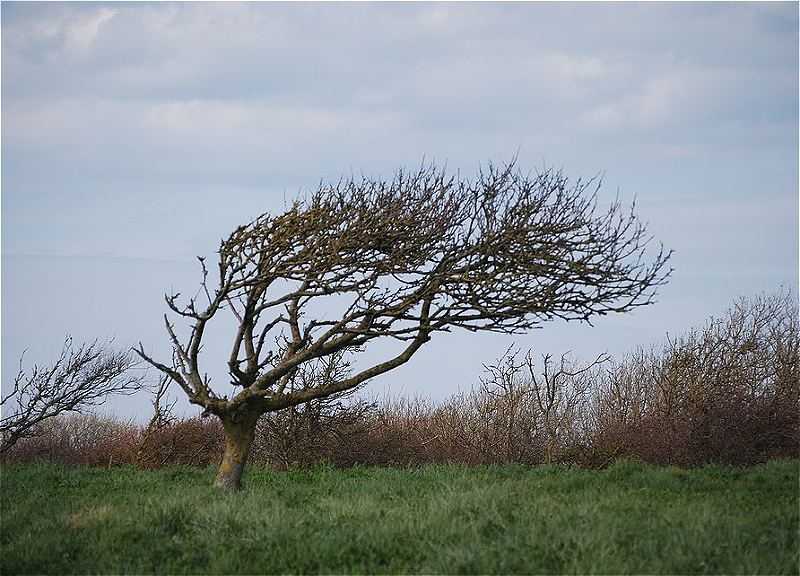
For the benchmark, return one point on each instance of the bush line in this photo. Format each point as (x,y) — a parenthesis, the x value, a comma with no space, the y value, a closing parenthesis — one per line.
(728,393)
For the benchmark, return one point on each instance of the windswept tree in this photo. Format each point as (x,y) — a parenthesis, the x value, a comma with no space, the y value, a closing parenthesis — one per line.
(400,260)
(83,376)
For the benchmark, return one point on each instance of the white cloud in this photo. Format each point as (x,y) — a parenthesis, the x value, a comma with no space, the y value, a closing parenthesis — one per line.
(58,35)
(571,72)
(82,32)
(693,108)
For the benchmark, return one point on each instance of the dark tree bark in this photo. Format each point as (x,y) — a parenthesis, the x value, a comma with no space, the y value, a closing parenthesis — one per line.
(400,260)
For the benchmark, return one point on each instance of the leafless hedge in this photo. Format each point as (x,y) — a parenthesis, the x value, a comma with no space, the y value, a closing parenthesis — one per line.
(78,439)
(728,392)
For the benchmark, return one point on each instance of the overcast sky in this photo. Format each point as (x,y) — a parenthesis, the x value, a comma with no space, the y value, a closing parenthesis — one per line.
(136,135)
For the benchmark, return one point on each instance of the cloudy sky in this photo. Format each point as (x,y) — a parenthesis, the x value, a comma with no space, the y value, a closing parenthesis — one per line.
(136,135)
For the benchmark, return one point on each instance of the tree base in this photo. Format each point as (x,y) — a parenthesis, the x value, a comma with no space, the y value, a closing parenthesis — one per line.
(240,430)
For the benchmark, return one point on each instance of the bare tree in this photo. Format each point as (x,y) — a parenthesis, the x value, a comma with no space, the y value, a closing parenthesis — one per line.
(533,407)
(162,417)
(506,400)
(560,395)
(400,260)
(82,376)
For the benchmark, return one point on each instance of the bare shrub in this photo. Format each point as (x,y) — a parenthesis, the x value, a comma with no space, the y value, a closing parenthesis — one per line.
(728,392)
(534,414)
(510,420)
(469,429)
(184,442)
(397,433)
(322,429)
(78,439)
(162,417)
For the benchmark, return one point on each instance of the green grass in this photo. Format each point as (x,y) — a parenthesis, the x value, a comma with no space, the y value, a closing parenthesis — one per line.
(630,518)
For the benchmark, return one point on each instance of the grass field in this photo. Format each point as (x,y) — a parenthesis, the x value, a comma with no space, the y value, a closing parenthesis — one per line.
(629,518)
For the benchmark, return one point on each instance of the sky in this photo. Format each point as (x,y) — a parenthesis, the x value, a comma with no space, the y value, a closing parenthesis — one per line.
(135,136)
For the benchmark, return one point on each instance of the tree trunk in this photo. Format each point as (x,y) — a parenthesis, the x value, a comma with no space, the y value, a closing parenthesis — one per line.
(240,430)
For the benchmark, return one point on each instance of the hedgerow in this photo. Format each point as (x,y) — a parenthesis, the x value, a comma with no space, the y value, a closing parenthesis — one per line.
(726,393)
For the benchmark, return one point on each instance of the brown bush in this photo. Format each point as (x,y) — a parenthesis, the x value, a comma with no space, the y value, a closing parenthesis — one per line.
(323,429)
(184,442)
(725,430)
(728,393)
(78,439)
(397,434)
